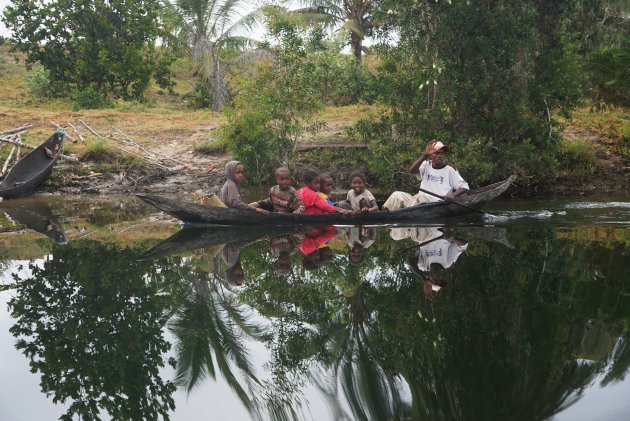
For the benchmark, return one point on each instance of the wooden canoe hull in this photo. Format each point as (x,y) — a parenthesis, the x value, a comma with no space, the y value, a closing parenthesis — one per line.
(201,214)
(32,169)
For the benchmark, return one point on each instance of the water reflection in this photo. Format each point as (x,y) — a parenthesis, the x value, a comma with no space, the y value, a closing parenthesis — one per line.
(521,326)
(39,218)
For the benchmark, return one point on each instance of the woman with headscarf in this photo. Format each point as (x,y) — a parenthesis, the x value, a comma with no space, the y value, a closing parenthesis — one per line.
(230,192)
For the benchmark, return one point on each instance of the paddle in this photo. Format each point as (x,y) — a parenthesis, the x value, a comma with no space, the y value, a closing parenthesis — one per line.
(457,203)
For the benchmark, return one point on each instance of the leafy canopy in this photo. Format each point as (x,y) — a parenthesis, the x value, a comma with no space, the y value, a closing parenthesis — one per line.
(107,46)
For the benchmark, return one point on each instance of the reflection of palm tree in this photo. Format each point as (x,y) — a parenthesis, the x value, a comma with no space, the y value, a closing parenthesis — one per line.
(209,327)
(371,391)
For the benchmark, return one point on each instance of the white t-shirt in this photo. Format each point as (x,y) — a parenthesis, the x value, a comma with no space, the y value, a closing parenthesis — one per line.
(354,199)
(442,181)
(441,251)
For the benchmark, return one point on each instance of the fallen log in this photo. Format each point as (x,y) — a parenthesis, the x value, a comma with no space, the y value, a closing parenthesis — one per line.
(16,130)
(329,145)
(90,129)
(77,132)
(6,163)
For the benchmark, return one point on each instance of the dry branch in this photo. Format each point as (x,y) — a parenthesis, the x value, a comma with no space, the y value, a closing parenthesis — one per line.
(90,129)
(156,155)
(68,136)
(77,132)
(22,128)
(6,163)
(24,145)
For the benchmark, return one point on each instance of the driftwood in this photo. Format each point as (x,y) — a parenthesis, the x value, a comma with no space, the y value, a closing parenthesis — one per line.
(68,136)
(77,132)
(24,145)
(130,142)
(90,129)
(329,145)
(6,163)
(16,130)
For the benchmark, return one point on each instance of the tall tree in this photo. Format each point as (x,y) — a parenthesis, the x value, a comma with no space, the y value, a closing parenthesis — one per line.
(109,46)
(352,15)
(213,31)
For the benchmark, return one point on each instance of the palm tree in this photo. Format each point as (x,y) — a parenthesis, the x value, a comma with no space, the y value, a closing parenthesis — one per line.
(214,32)
(352,15)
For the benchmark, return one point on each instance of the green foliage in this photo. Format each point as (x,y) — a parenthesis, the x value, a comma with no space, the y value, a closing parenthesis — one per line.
(90,97)
(489,73)
(104,46)
(213,32)
(212,146)
(353,17)
(201,96)
(624,142)
(609,71)
(276,107)
(39,84)
(576,157)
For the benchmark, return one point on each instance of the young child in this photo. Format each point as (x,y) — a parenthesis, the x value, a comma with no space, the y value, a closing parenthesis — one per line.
(230,192)
(359,198)
(325,188)
(283,197)
(313,203)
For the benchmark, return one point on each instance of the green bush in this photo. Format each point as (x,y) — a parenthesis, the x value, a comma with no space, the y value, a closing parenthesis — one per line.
(576,158)
(609,71)
(90,98)
(39,84)
(624,141)
(212,146)
(201,96)
(253,138)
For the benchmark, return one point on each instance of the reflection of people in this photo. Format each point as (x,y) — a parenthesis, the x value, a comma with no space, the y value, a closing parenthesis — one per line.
(316,238)
(285,246)
(433,258)
(231,255)
(417,234)
(434,175)
(359,239)
(315,249)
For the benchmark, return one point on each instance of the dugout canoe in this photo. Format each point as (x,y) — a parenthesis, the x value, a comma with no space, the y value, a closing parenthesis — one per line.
(32,169)
(192,213)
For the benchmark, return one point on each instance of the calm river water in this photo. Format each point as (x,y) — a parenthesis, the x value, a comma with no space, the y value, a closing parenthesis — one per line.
(108,310)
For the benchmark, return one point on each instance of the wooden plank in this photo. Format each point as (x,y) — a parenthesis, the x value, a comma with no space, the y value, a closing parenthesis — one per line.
(330,145)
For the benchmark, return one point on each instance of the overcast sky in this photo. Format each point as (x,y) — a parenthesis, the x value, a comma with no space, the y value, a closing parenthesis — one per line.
(3,30)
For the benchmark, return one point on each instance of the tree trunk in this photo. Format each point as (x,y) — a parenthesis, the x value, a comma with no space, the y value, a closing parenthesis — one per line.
(356,41)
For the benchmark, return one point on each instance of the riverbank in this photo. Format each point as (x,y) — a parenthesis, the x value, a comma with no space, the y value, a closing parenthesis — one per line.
(594,150)
(164,145)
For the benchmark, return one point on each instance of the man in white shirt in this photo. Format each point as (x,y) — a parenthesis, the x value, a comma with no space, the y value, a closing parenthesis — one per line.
(434,175)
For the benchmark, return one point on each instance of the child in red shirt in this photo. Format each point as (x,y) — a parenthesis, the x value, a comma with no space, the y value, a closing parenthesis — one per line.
(313,202)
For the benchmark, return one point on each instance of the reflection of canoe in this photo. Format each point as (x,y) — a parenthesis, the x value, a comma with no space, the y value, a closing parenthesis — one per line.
(32,169)
(37,217)
(200,238)
(192,213)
